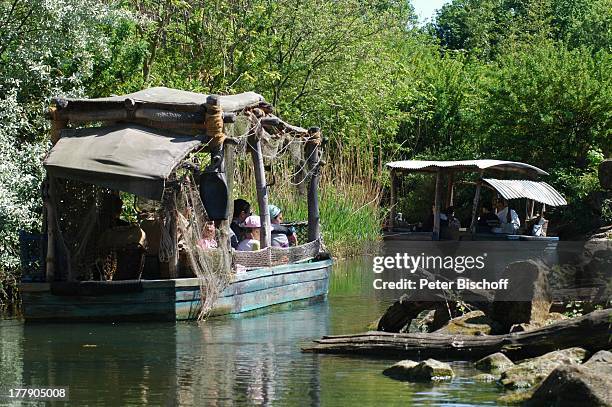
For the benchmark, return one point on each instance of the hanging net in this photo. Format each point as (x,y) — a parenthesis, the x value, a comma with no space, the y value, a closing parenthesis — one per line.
(205,247)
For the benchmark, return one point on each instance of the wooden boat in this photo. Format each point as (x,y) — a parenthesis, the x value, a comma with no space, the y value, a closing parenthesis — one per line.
(174,299)
(530,190)
(144,140)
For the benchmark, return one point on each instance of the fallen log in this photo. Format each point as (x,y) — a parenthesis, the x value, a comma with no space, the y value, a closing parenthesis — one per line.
(591,332)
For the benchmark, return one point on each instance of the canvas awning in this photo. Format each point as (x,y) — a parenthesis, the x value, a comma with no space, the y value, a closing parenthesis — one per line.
(128,157)
(467,165)
(162,96)
(538,191)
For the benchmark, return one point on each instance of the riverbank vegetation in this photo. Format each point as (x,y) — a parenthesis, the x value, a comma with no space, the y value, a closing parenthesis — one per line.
(519,80)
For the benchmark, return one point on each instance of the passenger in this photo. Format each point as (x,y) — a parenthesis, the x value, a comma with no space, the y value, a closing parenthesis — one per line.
(451,221)
(116,207)
(208,240)
(282,236)
(510,222)
(428,224)
(540,226)
(487,219)
(242,210)
(251,240)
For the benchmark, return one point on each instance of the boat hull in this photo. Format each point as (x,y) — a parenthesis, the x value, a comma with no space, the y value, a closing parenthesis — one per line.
(174,299)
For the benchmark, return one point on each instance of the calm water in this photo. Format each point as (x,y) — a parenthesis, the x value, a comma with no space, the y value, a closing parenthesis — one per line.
(254,360)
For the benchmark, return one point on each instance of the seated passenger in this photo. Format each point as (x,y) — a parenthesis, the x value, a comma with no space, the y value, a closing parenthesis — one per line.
(540,226)
(242,210)
(428,224)
(509,219)
(451,220)
(487,219)
(208,240)
(282,236)
(251,240)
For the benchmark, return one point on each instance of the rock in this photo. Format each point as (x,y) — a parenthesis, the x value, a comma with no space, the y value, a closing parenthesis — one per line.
(527,279)
(399,315)
(422,323)
(425,371)
(575,386)
(515,397)
(552,317)
(603,356)
(533,371)
(605,173)
(472,323)
(495,363)
(484,377)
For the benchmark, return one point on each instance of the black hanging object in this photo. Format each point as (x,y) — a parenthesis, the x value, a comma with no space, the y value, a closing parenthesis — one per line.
(213,190)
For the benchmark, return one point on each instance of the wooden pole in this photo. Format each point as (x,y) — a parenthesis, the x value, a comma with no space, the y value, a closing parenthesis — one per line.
(173,261)
(312,154)
(450,189)
(262,187)
(57,125)
(51,232)
(437,199)
(476,203)
(393,209)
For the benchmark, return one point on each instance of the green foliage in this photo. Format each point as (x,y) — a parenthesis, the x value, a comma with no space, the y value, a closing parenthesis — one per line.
(524,80)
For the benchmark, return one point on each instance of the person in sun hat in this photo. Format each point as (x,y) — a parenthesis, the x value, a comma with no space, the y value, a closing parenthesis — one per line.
(251,242)
(282,236)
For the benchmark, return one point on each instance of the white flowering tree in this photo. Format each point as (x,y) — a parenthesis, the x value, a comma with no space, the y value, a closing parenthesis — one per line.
(47,48)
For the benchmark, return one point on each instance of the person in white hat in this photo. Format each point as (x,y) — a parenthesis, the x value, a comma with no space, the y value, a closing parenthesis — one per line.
(252,225)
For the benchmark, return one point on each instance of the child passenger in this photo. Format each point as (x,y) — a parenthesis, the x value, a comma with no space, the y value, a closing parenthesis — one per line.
(252,224)
(208,240)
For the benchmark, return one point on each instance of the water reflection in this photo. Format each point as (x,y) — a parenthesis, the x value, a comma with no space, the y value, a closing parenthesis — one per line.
(254,360)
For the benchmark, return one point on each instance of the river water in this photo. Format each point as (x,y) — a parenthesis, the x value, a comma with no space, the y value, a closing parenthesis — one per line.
(253,360)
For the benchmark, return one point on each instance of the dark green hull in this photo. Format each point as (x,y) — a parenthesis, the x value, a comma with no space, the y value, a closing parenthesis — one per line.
(176,299)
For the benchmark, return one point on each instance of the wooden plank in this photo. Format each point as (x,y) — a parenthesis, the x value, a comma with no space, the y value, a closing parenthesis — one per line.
(259,284)
(258,299)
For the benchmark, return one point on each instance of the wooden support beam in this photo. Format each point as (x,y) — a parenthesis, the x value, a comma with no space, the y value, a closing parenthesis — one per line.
(130,111)
(393,208)
(437,199)
(50,260)
(450,186)
(57,125)
(313,156)
(476,203)
(261,185)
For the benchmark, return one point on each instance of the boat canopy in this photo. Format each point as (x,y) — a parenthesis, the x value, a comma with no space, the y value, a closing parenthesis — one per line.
(127,157)
(467,165)
(537,191)
(167,97)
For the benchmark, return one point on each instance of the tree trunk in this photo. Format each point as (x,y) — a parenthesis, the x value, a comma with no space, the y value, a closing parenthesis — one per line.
(590,332)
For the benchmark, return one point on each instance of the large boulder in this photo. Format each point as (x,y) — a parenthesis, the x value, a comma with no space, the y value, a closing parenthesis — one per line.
(472,323)
(496,363)
(587,385)
(605,173)
(527,299)
(533,371)
(425,371)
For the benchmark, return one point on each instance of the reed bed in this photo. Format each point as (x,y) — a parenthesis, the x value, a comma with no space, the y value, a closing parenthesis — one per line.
(349,197)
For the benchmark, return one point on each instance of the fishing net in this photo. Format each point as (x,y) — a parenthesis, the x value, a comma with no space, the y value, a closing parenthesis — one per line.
(212,265)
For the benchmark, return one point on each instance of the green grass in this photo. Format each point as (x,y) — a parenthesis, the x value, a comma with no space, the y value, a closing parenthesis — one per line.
(349,210)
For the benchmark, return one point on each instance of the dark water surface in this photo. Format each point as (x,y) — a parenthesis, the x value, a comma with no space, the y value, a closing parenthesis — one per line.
(252,360)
